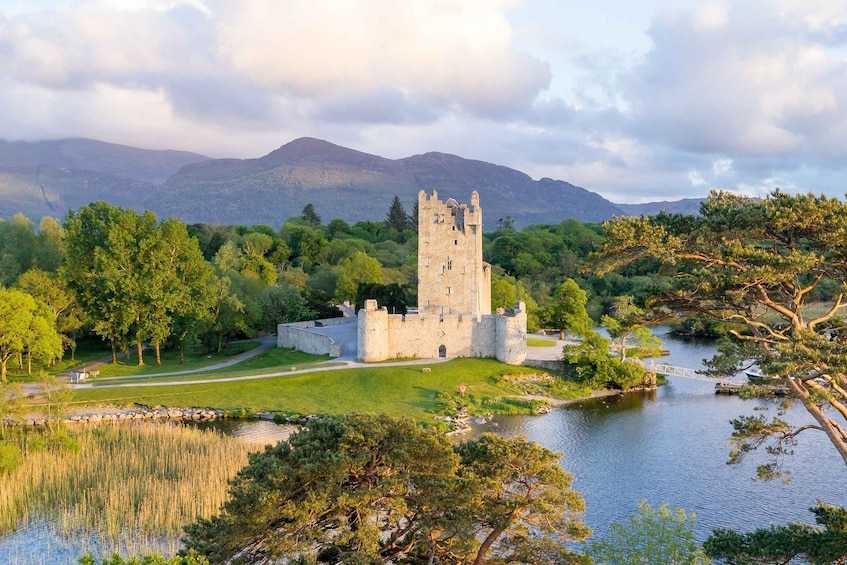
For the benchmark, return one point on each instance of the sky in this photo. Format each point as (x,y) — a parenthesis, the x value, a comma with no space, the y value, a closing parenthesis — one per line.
(635,100)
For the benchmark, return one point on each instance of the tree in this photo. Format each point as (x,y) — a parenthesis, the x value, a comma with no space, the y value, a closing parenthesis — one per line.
(52,291)
(629,336)
(17,248)
(26,327)
(310,216)
(526,507)
(354,271)
(568,312)
(374,489)
(397,219)
(102,248)
(652,536)
(758,263)
(282,304)
(784,544)
(392,296)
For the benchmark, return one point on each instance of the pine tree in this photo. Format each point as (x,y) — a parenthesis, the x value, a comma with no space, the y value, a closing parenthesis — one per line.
(310,215)
(397,219)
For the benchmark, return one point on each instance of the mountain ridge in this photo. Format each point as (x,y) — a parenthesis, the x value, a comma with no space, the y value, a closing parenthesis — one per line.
(50,177)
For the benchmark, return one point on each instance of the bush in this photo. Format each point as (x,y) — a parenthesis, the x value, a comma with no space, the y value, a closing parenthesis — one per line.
(10,457)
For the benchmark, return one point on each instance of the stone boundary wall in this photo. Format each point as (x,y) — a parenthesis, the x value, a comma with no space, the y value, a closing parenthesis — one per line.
(550,364)
(298,335)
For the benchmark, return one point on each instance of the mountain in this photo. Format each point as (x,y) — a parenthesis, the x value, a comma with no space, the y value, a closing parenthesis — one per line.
(685,206)
(47,178)
(348,184)
(51,177)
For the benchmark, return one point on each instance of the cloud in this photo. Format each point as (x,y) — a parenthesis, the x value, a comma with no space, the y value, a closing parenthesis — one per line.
(752,79)
(456,52)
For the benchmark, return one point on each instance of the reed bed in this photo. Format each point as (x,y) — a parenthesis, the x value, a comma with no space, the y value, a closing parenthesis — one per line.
(137,480)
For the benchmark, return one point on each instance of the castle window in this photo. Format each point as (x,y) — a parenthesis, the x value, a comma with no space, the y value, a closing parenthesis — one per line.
(449,264)
(455,242)
(453,228)
(449,290)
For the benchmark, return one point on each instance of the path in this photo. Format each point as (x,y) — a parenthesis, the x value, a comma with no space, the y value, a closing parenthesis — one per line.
(345,334)
(265,343)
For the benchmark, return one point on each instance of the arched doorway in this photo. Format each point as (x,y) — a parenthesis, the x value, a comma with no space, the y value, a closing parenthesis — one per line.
(442,351)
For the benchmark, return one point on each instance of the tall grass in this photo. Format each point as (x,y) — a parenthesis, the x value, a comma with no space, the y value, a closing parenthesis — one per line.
(145,480)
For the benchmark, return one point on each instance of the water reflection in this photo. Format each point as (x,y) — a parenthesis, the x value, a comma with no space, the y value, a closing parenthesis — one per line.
(672,446)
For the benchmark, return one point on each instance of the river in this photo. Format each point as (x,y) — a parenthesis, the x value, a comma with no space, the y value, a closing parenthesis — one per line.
(664,446)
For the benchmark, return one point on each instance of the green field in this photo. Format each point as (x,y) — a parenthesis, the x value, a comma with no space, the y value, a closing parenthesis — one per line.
(270,361)
(397,391)
(535,342)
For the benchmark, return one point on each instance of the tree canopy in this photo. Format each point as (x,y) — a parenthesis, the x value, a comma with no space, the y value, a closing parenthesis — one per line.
(374,489)
(776,268)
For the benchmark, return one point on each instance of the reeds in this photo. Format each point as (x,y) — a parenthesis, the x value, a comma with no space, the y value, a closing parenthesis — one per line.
(142,480)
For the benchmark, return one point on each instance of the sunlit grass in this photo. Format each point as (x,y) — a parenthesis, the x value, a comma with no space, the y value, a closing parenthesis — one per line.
(194,359)
(276,359)
(535,342)
(143,478)
(397,391)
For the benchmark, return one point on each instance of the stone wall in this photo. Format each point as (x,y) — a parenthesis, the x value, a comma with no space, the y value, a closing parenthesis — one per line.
(299,336)
(387,336)
(452,277)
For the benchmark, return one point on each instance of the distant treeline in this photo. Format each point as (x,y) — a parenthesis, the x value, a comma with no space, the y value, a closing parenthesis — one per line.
(131,279)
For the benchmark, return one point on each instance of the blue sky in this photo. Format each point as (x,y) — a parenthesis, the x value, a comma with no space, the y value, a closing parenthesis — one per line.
(639,101)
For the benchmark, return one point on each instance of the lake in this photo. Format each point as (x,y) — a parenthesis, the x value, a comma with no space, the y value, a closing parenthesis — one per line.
(664,446)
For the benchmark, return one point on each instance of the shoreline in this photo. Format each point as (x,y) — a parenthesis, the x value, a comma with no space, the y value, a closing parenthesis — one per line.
(102,413)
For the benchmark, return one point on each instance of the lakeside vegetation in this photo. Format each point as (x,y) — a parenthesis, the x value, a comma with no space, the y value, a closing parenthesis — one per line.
(116,480)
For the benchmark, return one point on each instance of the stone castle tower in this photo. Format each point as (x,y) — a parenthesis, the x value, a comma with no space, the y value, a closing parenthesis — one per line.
(452,277)
(454,296)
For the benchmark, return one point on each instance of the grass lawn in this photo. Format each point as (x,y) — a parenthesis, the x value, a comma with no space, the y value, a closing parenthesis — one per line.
(273,360)
(194,359)
(396,391)
(535,342)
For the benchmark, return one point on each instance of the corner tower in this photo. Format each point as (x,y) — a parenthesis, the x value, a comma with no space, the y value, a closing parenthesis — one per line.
(452,277)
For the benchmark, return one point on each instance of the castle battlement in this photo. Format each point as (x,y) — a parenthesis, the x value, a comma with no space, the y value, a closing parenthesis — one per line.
(454,296)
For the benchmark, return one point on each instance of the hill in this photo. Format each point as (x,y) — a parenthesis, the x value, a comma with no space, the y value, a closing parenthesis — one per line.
(51,177)
(348,184)
(47,178)
(684,206)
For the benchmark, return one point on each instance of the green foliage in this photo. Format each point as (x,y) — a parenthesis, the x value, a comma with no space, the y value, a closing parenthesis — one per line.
(191,558)
(594,365)
(10,457)
(783,544)
(568,312)
(365,489)
(652,536)
(310,216)
(630,337)
(282,304)
(27,327)
(354,271)
(397,219)
(758,264)
(392,296)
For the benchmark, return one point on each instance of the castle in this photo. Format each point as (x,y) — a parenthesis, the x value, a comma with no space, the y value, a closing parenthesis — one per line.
(454,296)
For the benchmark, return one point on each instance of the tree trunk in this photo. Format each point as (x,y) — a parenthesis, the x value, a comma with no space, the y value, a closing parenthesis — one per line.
(182,354)
(29,364)
(140,349)
(3,370)
(20,360)
(158,354)
(114,352)
(220,341)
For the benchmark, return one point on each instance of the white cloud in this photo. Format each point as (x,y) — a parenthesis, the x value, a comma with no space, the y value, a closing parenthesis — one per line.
(459,52)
